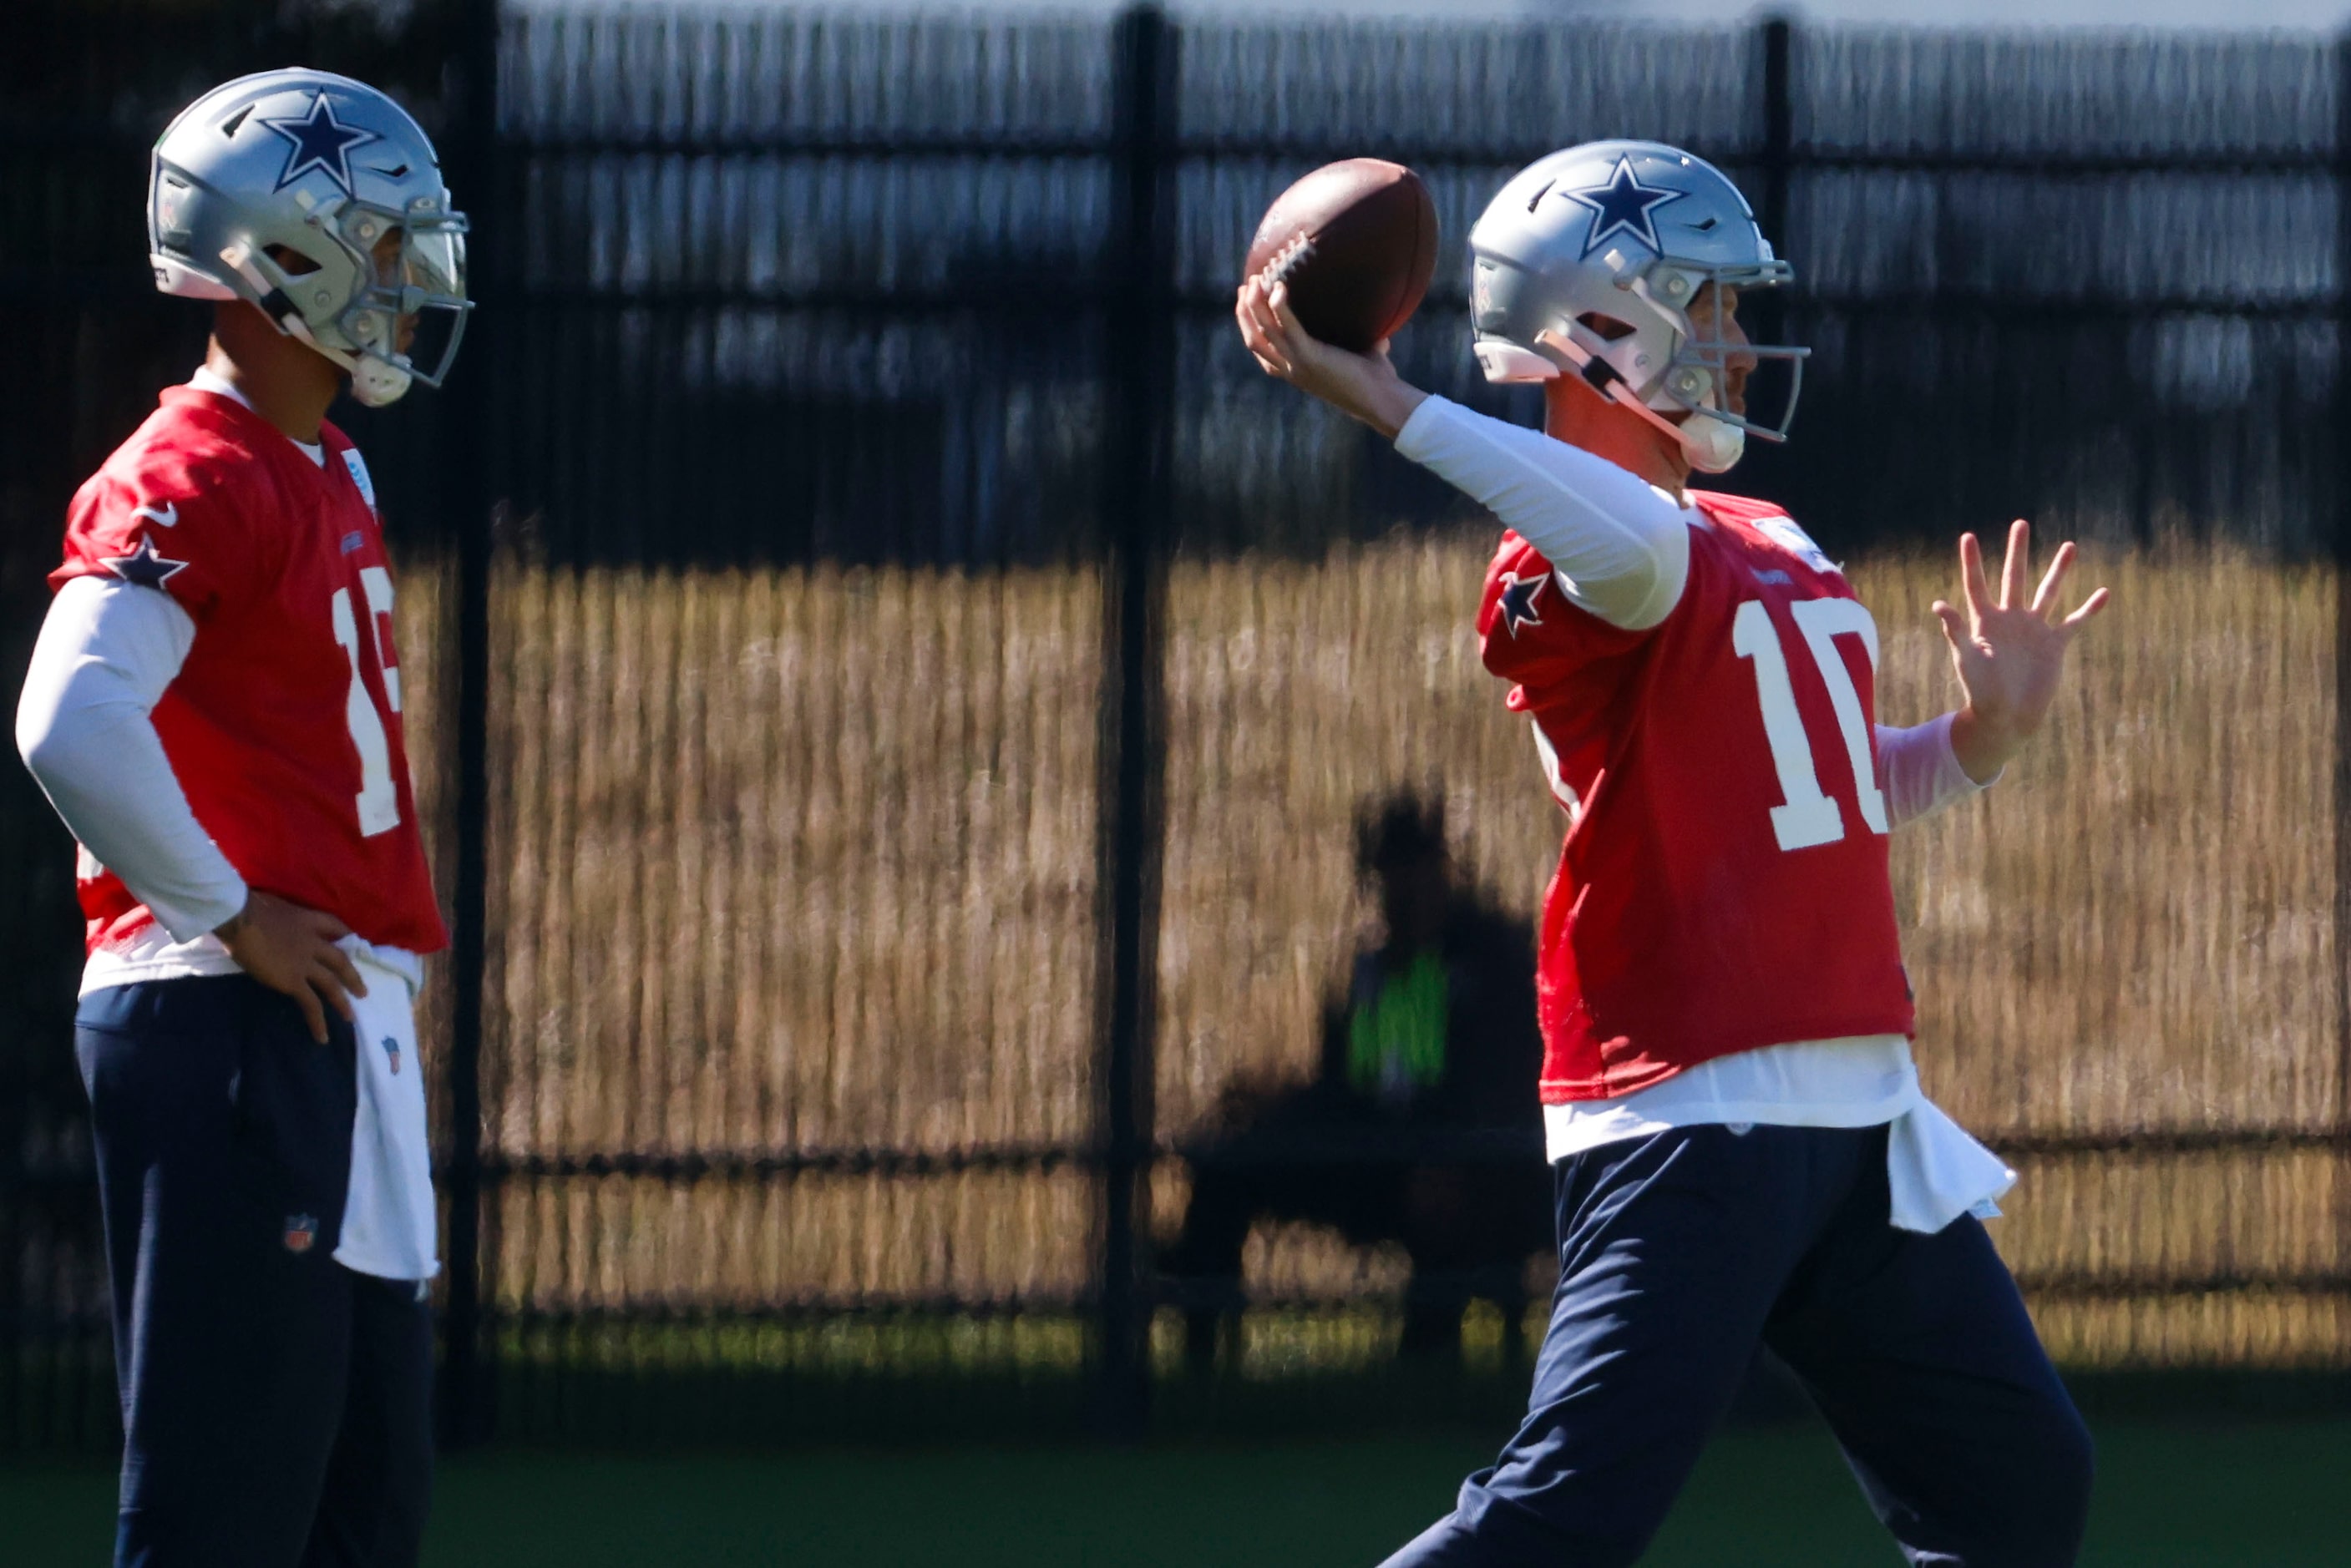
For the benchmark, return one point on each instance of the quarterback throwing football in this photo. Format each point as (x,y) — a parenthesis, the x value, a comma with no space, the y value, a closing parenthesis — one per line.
(1742,1153)
(215,709)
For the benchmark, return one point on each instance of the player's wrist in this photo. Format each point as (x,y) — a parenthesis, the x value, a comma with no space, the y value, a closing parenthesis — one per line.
(1378,398)
(236,925)
(1392,405)
(1984,744)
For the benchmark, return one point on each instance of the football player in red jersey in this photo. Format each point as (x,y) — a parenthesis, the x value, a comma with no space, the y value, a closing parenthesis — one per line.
(215,709)
(1742,1153)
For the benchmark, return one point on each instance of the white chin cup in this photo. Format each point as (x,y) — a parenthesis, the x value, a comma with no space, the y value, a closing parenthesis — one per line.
(376,385)
(1712,445)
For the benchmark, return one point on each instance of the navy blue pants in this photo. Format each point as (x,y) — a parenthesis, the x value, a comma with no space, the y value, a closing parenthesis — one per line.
(1679,1254)
(276,1405)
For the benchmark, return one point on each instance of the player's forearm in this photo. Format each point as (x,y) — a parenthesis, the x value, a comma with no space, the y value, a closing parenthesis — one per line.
(84,730)
(1620,546)
(1921,770)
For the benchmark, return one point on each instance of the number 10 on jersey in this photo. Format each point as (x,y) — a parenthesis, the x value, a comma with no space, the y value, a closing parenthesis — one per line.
(1812,817)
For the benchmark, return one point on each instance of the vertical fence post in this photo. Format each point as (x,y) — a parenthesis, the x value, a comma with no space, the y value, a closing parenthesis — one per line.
(1779,128)
(1139,345)
(1775,154)
(1768,466)
(466,499)
(2339,543)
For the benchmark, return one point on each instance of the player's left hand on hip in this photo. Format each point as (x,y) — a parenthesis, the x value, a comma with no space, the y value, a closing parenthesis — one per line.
(2008,653)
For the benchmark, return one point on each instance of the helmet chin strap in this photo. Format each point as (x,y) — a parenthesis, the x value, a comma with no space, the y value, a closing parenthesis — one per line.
(375,383)
(1711,445)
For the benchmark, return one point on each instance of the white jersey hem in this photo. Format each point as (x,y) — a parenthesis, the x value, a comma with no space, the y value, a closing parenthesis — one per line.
(141,961)
(1934,1171)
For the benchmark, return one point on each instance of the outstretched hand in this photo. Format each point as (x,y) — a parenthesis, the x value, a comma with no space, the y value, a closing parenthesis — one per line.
(2007,654)
(1362,385)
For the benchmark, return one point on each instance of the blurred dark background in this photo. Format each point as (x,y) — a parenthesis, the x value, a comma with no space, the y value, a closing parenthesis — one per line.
(896,687)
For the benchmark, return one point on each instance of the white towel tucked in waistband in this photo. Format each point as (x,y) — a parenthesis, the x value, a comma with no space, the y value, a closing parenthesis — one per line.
(390,1226)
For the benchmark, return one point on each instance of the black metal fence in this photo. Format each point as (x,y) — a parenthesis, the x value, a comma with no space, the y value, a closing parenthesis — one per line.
(893,682)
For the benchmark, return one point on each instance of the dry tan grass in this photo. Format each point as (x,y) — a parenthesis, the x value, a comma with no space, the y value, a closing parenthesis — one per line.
(2136,930)
(804,859)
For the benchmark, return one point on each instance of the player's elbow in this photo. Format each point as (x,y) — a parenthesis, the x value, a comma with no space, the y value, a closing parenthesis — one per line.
(61,734)
(38,738)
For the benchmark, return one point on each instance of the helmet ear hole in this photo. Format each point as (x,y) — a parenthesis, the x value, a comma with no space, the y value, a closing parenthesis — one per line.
(1607,329)
(290,261)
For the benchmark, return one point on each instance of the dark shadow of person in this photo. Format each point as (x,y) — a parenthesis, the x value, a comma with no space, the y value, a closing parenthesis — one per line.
(1420,1125)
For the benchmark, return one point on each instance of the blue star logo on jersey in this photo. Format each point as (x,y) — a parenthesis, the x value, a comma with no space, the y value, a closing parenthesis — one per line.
(1622,206)
(144,565)
(320,141)
(1518,601)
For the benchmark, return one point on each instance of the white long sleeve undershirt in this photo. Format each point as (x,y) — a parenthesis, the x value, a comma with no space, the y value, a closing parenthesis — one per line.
(107,651)
(1619,544)
(1919,773)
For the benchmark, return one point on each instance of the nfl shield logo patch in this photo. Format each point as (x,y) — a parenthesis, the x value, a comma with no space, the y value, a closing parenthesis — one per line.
(301,1231)
(392,1050)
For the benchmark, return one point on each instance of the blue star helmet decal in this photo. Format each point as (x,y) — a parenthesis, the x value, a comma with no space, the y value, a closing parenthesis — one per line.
(144,565)
(1622,206)
(1518,601)
(320,141)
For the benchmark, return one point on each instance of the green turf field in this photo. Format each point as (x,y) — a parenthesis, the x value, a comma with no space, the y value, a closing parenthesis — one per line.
(2218,1496)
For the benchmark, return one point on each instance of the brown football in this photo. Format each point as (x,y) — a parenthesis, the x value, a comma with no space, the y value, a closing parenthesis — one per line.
(1356,241)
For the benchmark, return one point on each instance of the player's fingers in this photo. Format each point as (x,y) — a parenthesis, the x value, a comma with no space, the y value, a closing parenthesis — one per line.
(1269,338)
(1972,575)
(312,1014)
(2044,598)
(1268,353)
(1248,301)
(323,980)
(1262,307)
(2015,564)
(325,925)
(1288,318)
(338,963)
(1254,338)
(2090,607)
(1954,625)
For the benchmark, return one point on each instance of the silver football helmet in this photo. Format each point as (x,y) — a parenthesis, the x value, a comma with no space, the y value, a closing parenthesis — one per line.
(329,169)
(1587,264)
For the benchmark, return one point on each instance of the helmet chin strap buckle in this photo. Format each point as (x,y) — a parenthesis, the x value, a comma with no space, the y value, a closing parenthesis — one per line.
(375,384)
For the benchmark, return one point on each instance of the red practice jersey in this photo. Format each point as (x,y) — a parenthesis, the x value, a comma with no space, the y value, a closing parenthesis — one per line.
(284,726)
(1724,885)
